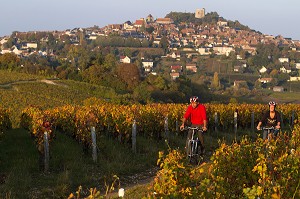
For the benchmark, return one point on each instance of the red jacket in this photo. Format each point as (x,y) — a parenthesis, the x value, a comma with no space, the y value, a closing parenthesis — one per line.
(196,115)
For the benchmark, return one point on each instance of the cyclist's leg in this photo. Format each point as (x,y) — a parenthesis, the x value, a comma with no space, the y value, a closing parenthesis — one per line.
(276,131)
(187,144)
(265,134)
(201,139)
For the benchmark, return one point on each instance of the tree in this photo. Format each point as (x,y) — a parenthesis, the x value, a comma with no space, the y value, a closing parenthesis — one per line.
(160,83)
(10,42)
(282,78)
(216,82)
(132,42)
(258,84)
(9,61)
(109,62)
(150,29)
(93,74)
(142,93)
(129,73)
(274,73)
(164,43)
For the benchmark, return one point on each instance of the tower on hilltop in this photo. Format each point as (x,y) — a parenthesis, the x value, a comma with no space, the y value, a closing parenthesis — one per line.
(200,13)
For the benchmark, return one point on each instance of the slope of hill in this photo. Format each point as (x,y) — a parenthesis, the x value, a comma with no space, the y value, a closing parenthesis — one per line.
(18,90)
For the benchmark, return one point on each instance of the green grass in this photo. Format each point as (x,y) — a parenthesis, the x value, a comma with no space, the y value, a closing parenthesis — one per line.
(70,165)
(287,97)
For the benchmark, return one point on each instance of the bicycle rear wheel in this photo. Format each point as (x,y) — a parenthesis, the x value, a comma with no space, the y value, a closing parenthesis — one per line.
(200,152)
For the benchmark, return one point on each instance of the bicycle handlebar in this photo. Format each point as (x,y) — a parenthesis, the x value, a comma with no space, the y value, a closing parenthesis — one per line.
(191,128)
(268,128)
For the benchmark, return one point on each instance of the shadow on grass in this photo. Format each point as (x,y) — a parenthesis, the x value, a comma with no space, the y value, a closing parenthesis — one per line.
(69,166)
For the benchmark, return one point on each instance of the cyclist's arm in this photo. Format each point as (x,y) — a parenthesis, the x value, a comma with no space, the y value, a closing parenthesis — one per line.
(258,126)
(204,118)
(183,122)
(278,125)
(278,120)
(262,120)
(204,125)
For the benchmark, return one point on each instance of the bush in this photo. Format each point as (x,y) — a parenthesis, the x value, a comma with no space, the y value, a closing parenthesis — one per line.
(241,170)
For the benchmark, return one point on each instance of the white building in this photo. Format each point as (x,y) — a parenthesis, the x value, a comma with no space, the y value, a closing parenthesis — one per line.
(147,65)
(283,59)
(223,50)
(125,59)
(263,69)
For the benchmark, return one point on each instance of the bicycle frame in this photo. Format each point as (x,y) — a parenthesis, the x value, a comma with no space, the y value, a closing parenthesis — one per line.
(270,132)
(194,145)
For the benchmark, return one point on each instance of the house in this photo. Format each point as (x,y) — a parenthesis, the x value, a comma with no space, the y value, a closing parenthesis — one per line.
(285,69)
(203,51)
(283,59)
(278,89)
(223,50)
(175,55)
(16,50)
(149,19)
(4,40)
(125,59)
(297,65)
(191,67)
(176,69)
(114,27)
(240,84)
(293,79)
(239,57)
(222,23)
(237,68)
(263,69)
(139,23)
(147,65)
(92,37)
(265,80)
(31,45)
(164,21)
(5,51)
(174,75)
(128,25)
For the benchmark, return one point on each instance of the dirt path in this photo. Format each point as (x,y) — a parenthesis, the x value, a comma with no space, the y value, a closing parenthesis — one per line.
(47,81)
(139,178)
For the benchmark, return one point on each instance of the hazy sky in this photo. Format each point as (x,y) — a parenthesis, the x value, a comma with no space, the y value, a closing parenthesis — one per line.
(272,17)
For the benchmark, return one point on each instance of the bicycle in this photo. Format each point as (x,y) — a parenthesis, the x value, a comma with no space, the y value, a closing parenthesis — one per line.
(271,132)
(194,146)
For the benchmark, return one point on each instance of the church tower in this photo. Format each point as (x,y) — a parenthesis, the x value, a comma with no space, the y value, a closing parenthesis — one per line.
(200,13)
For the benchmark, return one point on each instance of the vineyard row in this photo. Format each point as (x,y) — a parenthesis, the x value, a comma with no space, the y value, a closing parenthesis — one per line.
(76,121)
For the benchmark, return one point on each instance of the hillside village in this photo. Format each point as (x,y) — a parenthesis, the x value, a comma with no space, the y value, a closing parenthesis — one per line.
(183,43)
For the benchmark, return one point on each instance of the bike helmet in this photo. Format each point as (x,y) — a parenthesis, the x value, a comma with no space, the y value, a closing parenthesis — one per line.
(194,99)
(272,103)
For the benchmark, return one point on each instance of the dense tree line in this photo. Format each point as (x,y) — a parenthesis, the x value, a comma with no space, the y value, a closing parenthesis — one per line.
(209,18)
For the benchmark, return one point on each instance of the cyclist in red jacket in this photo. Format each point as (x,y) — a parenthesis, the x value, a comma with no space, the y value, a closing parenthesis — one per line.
(196,113)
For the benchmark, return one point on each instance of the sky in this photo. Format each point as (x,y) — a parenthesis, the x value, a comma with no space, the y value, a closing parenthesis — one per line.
(272,17)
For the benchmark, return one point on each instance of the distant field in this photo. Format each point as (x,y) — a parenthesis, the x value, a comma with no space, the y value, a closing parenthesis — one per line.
(286,97)
(8,77)
(233,77)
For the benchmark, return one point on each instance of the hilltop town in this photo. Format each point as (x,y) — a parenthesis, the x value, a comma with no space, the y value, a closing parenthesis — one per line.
(195,45)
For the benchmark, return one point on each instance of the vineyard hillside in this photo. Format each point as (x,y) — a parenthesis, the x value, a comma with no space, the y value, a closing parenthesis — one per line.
(19,90)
